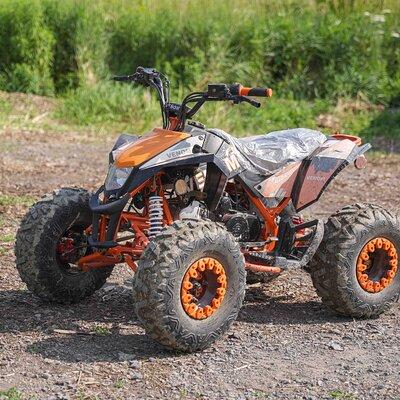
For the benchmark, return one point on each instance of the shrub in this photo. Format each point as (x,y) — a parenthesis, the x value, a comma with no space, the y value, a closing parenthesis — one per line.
(26,46)
(106,103)
(305,49)
(80,45)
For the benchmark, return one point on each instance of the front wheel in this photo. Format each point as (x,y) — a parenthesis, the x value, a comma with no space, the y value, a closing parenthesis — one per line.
(355,268)
(190,285)
(50,240)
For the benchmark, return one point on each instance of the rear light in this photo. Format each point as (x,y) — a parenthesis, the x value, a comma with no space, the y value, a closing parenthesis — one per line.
(360,162)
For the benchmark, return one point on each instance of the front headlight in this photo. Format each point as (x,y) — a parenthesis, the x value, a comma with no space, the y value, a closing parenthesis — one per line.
(116,177)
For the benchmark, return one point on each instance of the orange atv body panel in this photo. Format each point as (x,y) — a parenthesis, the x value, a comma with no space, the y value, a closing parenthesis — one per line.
(304,185)
(147,147)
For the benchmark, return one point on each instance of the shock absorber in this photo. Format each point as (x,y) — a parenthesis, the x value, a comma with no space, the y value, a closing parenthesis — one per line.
(156,216)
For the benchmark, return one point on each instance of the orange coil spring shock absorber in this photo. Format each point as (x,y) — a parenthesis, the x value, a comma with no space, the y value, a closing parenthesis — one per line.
(156,216)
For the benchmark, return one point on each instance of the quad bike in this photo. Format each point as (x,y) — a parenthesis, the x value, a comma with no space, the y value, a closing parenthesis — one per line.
(190,209)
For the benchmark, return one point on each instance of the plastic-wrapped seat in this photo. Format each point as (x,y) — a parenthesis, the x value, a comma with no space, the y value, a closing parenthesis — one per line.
(270,152)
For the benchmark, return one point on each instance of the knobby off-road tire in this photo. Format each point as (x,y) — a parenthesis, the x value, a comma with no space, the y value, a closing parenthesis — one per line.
(36,244)
(157,286)
(333,268)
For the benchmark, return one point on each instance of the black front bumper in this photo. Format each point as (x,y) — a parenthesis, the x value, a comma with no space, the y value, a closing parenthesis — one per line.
(113,209)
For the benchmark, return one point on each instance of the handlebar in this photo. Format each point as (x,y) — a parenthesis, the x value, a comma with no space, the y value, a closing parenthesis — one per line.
(238,89)
(215,92)
(143,76)
(151,77)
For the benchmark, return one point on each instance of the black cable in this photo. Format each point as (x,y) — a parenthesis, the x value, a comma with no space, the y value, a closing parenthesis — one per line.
(158,85)
(195,96)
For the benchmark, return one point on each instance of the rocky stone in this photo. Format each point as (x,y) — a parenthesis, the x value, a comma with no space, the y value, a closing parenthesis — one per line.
(335,346)
(135,364)
(125,356)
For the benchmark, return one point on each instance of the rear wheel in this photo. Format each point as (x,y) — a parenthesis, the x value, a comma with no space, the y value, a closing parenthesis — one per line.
(355,267)
(50,240)
(190,285)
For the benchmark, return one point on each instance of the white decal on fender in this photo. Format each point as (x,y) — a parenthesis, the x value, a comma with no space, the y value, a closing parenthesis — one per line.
(231,161)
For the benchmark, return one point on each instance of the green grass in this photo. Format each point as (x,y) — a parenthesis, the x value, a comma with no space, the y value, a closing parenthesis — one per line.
(108,109)
(119,384)
(101,330)
(7,200)
(82,396)
(115,108)
(110,105)
(5,107)
(10,394)
(340,395)
(341,48)
(7,238)
(386,123)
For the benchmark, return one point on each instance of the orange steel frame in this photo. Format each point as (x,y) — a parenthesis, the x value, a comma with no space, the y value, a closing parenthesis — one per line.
(130,251)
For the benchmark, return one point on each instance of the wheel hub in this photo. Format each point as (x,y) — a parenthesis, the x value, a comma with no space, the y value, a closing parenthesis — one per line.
(70,248)
(65,249)
(203,288)
(377,265)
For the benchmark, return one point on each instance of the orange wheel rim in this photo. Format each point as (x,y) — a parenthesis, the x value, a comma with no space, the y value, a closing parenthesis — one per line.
(377,265)
(203,288)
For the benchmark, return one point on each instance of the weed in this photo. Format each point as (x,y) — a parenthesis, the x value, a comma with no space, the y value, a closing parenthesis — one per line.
(339,49)
(7,147)
(101,330)
(82,396)
(119,384)
(33,349)
(338,394)
(10,394)
(11,200)
(259,394)
(5,107)
(7,238)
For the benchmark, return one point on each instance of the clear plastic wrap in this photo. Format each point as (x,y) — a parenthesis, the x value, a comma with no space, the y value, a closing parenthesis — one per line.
(270,152)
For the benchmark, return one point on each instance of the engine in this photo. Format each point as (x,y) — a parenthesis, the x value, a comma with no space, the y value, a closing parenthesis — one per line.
(245,227)
(184,191)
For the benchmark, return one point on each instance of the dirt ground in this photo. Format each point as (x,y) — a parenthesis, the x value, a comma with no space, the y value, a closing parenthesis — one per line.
(285,344)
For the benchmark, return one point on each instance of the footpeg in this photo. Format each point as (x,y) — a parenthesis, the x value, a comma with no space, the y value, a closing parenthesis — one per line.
(273,259)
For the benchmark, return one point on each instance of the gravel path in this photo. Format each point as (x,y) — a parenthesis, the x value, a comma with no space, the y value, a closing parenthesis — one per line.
(285,344)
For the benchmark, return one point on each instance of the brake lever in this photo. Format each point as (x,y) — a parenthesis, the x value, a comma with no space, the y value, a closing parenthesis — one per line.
(124,78)
(252,102)
(239,99)
(138,78)
(142,76)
